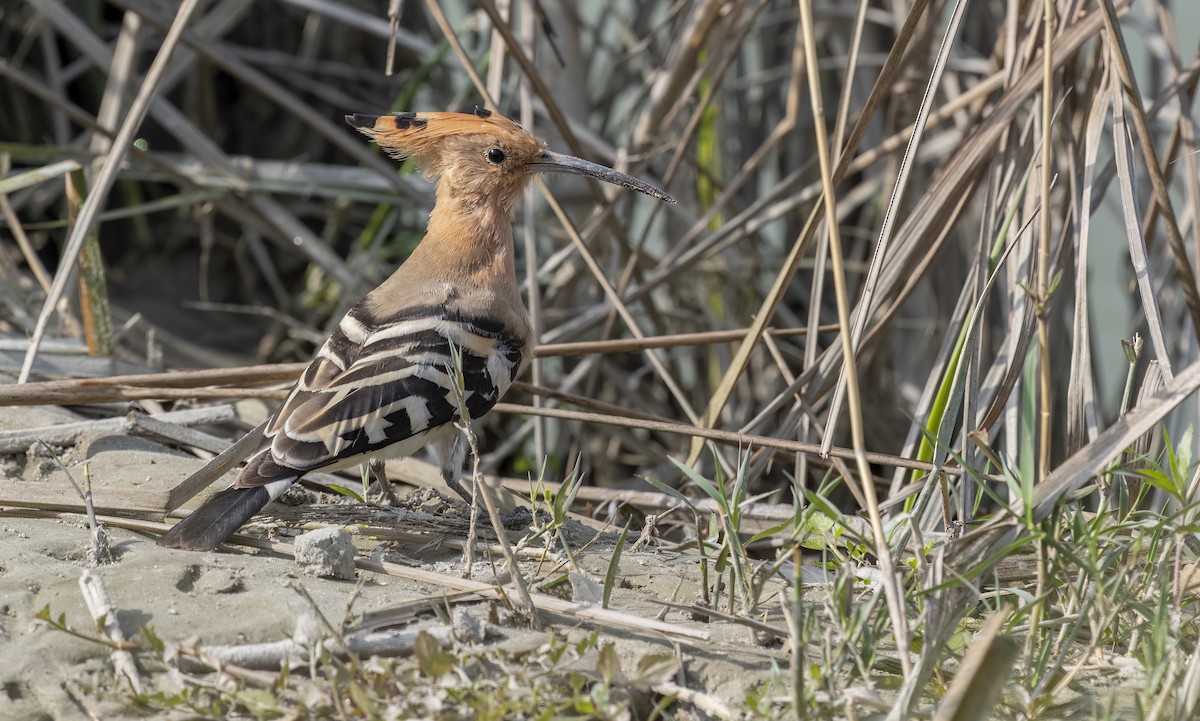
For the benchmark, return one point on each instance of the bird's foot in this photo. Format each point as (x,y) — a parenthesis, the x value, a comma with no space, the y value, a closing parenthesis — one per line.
(386,494)
(453,484)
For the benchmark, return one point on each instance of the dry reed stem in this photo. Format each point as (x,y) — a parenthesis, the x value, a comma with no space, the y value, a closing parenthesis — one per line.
(766,311)
(105,178)
(887,568)
(163,385)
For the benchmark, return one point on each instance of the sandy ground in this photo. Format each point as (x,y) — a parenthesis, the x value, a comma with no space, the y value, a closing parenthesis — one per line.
(246,596)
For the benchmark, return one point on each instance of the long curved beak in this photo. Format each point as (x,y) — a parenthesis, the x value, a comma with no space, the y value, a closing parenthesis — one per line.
(551,162)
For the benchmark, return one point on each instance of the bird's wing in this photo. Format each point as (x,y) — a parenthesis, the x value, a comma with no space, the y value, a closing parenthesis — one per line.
(375,386)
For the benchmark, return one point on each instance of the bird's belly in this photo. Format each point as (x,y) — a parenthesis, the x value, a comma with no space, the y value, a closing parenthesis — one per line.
(399,449)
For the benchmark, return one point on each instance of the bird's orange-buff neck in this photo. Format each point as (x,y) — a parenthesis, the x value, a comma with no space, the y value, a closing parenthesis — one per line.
(470,243)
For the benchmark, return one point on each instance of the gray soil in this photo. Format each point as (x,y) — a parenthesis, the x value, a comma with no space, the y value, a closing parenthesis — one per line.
(240,595)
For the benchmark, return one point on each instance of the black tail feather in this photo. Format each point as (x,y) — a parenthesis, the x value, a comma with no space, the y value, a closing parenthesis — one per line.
(216,519)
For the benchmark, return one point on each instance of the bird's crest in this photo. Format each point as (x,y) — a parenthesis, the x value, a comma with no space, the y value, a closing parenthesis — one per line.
(424,136)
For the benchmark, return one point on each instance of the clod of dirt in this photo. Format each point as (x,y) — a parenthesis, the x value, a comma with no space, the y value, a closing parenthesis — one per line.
(467,627)
(326,552)
(518,519)
(219,581)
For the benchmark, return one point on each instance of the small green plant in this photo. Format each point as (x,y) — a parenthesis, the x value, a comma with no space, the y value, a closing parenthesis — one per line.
(550,510)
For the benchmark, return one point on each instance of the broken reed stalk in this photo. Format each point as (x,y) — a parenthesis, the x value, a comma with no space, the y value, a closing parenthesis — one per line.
(135,387)
(18,441)
(104,615)
(117,388)
(294,653)
(165,385)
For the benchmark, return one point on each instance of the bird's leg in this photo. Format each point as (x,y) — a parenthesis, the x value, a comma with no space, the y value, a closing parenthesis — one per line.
(453,452)
(450,477)
(379,473)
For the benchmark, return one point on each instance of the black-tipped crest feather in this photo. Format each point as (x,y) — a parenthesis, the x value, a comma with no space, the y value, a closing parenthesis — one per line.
(361,120)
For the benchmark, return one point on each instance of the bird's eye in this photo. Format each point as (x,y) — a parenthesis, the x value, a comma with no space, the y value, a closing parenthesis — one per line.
(495,155)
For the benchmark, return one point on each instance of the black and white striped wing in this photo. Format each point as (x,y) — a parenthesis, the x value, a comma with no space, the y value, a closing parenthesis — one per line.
(382,390)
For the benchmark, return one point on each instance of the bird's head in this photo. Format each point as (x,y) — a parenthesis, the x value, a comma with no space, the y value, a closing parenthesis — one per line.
(480,157)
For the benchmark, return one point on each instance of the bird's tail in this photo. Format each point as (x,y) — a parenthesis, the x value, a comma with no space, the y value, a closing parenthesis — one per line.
(214,521)
(260,481)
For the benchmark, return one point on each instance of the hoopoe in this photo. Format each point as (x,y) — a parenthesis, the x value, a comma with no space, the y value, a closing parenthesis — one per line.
(384,384)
